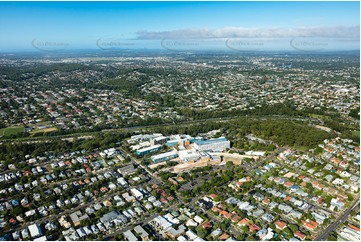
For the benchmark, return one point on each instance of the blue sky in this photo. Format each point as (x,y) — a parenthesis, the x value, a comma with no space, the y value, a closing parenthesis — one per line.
(145,24)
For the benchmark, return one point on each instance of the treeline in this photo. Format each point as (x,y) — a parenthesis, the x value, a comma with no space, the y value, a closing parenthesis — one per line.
(16,151)
(130,87)
(276,109)
(3,84)
(17,73)
(192,129)
(282,132)
(355,113)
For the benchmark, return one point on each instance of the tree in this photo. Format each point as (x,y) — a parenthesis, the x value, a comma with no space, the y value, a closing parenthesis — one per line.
(241,237)
(16,211)
(293,227)
(309,185)
(245,229)
(332,236)
(355,113)
(349,197)
(201,232)
(229,164)
(276,210)
(223,226)
(288,232)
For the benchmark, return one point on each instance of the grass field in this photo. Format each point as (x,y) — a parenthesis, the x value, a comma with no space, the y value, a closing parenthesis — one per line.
(12,130)
(46,130)
(313,115)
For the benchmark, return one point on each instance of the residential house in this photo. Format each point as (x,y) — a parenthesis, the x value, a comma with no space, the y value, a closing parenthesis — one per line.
(280,224)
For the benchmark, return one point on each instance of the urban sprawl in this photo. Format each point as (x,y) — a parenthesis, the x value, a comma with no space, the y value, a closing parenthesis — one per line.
(180,147)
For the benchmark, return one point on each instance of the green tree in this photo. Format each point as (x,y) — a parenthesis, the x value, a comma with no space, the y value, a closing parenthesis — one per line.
(288,232)
(245,229)
(293,227)
(332,236)
(201,232)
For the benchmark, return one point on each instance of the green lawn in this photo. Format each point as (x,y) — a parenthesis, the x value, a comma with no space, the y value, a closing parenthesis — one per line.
(12,130)
(313,115)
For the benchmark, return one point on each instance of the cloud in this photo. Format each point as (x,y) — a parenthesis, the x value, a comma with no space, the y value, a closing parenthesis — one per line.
(241,32)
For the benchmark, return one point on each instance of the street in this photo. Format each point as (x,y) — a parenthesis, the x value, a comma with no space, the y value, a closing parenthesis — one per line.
(341,219)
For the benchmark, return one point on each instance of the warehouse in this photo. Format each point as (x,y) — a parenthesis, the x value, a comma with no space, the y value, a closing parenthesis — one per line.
(164,156)
(148,150)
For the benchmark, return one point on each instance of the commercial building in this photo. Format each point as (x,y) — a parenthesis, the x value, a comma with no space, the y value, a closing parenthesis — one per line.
(127,170)
(172,143)
(219,144)
(189,155)
(148,150)
(159,140)
(179,139)
(195,139)
(164,156)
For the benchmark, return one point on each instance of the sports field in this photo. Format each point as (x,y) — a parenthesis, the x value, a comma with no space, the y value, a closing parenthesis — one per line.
(12,130)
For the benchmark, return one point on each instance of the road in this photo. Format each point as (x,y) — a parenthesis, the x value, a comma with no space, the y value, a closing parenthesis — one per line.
(341,219)
(132,159)
(250,167)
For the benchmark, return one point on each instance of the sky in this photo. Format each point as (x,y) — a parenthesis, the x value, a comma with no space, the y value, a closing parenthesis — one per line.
(47,26)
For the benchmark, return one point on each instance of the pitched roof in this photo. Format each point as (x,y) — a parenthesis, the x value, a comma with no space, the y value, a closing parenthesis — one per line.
(224,236)
(310,224)
(235,218)
(280,224)
(354,227)
(207,225)
(244,221)
(300,235)
(254,227)
(213,196)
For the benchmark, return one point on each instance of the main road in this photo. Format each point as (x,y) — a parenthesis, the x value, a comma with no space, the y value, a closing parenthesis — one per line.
(332,227)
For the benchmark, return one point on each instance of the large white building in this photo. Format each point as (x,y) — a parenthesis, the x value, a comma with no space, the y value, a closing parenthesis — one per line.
(35,231)
(219,144)
(189,155)
(164,156)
